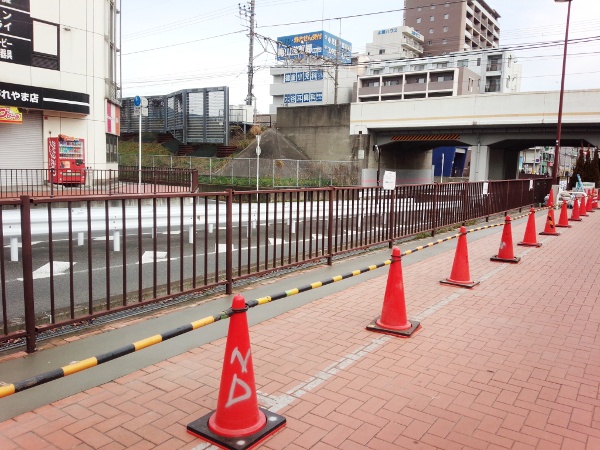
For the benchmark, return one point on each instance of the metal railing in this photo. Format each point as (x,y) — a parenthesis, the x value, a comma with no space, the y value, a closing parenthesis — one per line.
(95,256)
(125,180)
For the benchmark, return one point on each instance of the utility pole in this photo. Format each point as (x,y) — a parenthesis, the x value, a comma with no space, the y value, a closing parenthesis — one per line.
(248,14)
(337,65)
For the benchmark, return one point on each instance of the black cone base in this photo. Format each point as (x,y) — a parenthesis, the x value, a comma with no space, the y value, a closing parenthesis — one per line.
(465,284)
(529,244)
(515,260)
(199,428)
(543,233)
(399,333)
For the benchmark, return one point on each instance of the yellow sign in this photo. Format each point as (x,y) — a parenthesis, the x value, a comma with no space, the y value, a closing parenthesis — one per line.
(10,114)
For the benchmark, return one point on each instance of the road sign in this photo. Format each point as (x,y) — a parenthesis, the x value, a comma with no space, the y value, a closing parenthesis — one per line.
(140,101)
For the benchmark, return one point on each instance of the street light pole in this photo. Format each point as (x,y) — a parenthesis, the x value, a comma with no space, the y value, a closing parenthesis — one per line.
(556,174)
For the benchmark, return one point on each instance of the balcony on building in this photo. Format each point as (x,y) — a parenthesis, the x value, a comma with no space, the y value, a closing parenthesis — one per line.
(369,86)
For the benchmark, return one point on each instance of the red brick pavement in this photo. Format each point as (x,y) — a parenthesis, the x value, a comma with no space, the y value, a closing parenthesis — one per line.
(512,364)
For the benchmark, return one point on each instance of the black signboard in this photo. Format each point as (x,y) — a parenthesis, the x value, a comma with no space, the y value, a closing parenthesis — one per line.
(33,97)
(16,32)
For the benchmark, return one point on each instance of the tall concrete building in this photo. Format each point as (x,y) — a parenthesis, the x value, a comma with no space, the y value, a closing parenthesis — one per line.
(451,26)
(60,87)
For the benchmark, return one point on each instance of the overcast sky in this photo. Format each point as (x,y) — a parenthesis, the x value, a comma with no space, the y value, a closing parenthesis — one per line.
(185,44)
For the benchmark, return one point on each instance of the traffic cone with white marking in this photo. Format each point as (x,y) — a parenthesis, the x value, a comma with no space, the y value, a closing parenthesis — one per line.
(393,315)
(505,253)
(460,275)
(563,220)
(575,213)
(238,422)
(530,238)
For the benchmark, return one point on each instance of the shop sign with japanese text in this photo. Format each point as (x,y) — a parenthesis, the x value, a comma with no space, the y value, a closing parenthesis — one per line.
(10,114)
(16,32)
(43,98)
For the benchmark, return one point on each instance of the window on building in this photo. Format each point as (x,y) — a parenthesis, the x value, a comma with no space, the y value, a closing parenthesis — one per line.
(463,63)
(440,65)
(376,71)
(45,45)
(418,20)
(470,84)
(371,83)
(381,51)
(417,67)
(447,5)
(419,8)
(394,82)
(111,148)
(445,29)
(432,6)
(429,42)
(509,60)
(431,31)
(432,19)
(478,62)
(446,16)
(508,81)
(444,41)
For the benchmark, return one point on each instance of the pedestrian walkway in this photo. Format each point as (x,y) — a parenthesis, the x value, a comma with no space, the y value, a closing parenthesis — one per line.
(513,363)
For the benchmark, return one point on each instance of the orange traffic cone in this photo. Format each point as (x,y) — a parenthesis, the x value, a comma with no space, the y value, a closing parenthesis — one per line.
(594,198)
(505,253)
(550,228)
(575,213)
(393,315)
(582,206)
(563,220)
(530,238)
(551,199)
(588,204)
(238,422)
(460,275)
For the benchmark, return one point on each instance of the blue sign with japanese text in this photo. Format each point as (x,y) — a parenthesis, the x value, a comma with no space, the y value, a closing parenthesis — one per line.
(320,44)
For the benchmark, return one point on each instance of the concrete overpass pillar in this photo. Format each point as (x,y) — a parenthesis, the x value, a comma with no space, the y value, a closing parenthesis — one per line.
(480,163)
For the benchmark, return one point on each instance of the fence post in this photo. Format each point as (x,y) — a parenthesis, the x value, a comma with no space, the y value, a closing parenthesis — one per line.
(435,199)
(506,198)
(27,254)
(392,219)
(330,228)
(229,243)
(297,173)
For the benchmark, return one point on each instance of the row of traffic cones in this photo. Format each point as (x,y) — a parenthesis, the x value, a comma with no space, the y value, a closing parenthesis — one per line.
(393,319)
(239,423)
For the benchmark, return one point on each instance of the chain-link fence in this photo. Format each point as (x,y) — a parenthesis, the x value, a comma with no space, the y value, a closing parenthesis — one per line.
(264,173)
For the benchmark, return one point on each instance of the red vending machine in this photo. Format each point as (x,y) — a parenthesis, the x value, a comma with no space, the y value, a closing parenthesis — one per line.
(66,155)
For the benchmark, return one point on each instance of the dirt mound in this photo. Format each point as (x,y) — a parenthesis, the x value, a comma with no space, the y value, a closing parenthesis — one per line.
(273,145)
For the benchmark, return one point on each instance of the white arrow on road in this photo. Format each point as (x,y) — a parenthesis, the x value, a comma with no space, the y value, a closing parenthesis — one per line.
(60,268)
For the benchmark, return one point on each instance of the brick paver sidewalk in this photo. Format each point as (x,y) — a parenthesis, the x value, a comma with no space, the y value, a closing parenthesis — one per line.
(512,364)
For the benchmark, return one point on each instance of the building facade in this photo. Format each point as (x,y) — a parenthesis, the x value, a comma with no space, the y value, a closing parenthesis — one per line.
(313,69)
(452,26)
(59,79)
(472,72)
(395,43)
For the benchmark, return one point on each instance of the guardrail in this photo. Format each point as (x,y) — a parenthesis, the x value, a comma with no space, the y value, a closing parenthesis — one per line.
(172,246)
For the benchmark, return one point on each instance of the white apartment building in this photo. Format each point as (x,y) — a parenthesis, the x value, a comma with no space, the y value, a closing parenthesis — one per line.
(314,69)
(472,72)
(395,43)
(59,76)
